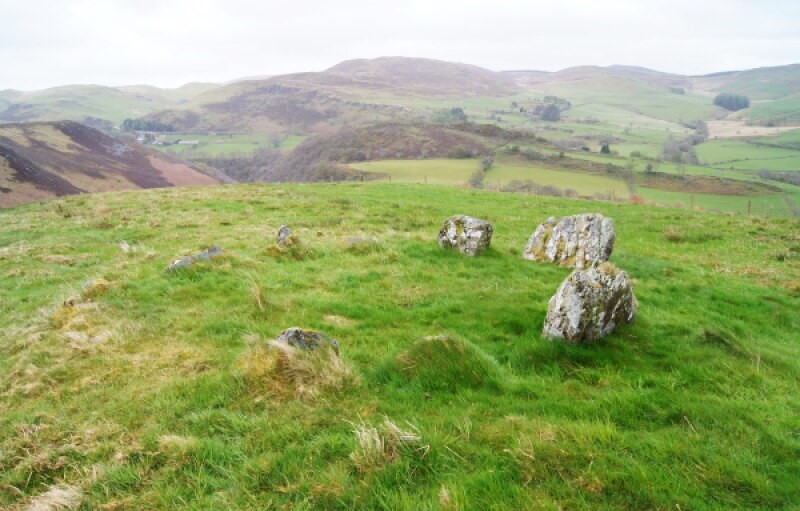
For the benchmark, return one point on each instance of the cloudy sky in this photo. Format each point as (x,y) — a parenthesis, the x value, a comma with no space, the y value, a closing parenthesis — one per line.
(171,42)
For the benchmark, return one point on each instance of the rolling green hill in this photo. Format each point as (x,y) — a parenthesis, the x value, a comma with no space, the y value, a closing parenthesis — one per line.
(77,102)
(765,83)
(155,390)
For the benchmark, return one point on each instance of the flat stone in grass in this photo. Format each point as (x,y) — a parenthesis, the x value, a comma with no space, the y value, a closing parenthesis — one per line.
(589,304)
(309,340)
(573,241)
(189,260)
(467,234)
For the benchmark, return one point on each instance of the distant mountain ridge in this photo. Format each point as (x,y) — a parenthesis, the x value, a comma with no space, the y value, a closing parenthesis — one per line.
(350,92)
(79,102)
(374,90)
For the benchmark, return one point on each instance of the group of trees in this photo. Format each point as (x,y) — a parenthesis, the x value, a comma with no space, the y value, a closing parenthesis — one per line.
(477,177)
(550,108)
(784,177)
(145,125)
(732,102)
(683,151)
(449,116)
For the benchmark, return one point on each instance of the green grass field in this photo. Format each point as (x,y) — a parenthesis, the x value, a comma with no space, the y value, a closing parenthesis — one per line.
(458,172)
(229,145)
(745,155)
(157,394)
(621,101)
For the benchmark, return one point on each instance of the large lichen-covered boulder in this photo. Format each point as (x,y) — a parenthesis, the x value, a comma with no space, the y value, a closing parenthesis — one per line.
(573,241)
(589,304)
(469,235)
(307,339)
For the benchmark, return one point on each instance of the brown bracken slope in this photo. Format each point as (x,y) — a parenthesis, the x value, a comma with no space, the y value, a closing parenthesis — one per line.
(44,160)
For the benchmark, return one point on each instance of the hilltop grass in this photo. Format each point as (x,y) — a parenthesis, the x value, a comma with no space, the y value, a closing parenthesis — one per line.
(141,399)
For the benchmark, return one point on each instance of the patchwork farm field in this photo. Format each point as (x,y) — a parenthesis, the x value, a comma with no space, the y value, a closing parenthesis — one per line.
(156,394)
(458,172)
(749,155)
(228,145)
(782,202)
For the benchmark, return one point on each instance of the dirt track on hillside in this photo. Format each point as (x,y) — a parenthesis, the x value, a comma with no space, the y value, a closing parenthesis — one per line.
(738,129)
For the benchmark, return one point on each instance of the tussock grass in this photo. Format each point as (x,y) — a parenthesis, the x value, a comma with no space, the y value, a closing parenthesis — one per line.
(55,499)
(286,372)
(381,445)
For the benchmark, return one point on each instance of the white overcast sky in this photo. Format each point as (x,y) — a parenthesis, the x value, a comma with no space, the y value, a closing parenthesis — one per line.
(44,43)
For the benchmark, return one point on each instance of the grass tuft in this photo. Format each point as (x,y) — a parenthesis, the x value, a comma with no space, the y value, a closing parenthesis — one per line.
(290,373)
(56,498)
(384,444)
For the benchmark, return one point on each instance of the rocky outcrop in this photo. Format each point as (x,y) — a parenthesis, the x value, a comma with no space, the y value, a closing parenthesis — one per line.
(573,241)
(589,304)
(309,340)
(465,233)
(189,260)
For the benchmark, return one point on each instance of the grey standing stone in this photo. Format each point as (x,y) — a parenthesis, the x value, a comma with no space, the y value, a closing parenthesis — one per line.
(589,304)
(465,233)
(284,237)
(573,241)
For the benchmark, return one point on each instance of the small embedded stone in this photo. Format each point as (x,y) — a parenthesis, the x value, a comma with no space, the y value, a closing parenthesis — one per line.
(189,260)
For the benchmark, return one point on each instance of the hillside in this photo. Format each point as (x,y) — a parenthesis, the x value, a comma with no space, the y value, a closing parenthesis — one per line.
(156,391)
(624,94)
(177,95)
(44,160)
(79,102)
(325,156)
(765,83)
(405,75)
(350,92)
(598,73)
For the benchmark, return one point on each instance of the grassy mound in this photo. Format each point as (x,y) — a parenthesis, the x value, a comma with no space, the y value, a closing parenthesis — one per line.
(448,363)
(287,372)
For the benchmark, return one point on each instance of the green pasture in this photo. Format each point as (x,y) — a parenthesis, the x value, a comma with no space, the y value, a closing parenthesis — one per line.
(161,393)
(229,144)
(458,172)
